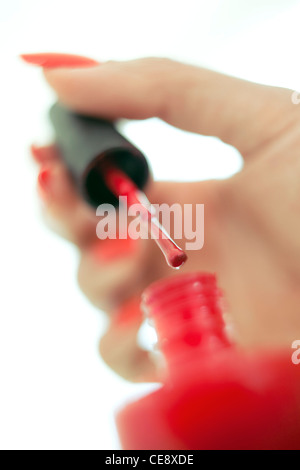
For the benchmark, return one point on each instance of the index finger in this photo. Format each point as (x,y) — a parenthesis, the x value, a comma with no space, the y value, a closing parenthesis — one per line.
(243,114)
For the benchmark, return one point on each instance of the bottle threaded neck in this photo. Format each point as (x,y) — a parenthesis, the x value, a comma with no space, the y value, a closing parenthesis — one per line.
(187,315)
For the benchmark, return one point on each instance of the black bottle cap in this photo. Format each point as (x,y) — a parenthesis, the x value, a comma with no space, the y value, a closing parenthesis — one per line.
(87,145)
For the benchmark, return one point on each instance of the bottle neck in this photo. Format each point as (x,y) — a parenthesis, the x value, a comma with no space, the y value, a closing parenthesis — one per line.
(186,313)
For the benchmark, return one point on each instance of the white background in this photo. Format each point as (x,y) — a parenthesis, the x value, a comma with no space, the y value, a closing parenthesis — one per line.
(55,392)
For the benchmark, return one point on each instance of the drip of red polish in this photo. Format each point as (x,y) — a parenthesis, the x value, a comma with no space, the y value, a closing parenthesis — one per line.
(121,185)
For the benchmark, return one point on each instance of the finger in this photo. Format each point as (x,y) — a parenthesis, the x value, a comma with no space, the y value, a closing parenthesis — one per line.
(111,270)
(53,59)
(119,348)
(45,154)
(112,275)
(63,210)
(241,113)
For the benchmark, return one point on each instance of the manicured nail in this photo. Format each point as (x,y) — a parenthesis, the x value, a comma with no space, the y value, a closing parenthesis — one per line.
(42,154)
(110,250)
(128,314)
(44,183)
(54,60)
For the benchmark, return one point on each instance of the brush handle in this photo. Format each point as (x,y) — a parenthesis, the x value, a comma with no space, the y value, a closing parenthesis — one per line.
(87,145)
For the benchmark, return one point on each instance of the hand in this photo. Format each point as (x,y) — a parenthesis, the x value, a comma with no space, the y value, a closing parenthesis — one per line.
(252,223)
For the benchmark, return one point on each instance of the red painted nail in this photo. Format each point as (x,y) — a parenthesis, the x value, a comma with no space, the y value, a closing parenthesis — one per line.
(44,181)
(41,154)
(111,250)
(55,60)
(128,314)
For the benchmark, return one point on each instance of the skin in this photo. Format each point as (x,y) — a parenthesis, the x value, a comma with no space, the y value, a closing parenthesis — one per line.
(252,221)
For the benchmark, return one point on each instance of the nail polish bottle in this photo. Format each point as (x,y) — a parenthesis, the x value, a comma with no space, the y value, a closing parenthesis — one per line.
(86,145)
(213,395)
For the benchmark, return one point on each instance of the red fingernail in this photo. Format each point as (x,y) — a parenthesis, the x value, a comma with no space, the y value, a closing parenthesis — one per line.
(41,154)
(54,60)
(129,313)
(44,181)
(111,250)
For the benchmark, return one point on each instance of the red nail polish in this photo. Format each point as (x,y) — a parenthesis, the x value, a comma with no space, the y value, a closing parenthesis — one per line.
(128,313)
(36,153)
(55,60)
(41,154)
(213,395)
(121,185)
(44,179)
(110,250)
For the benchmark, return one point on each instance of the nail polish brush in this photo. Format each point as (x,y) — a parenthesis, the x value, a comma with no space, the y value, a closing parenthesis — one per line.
(104,165)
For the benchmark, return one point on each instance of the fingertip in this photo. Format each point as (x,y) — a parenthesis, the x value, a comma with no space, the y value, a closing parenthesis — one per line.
(113,250)
(111,90)
(128,314)
(43,154)
(54,184)
(44,183)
